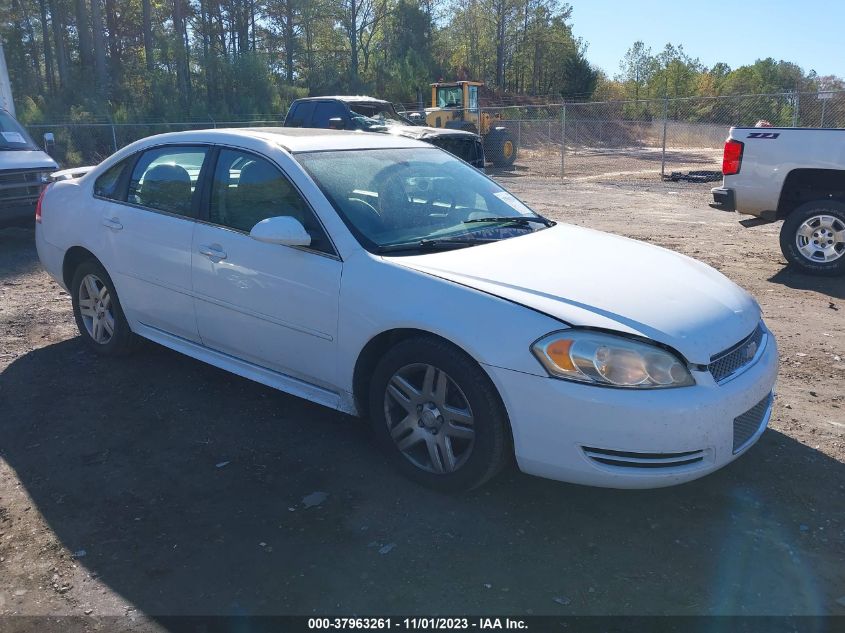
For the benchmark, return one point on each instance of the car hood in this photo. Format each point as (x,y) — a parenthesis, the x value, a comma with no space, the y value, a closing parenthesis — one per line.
(26,159)
(593,279)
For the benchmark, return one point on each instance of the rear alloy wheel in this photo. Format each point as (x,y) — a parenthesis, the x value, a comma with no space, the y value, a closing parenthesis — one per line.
(813,237)
(438,416)
(97,311)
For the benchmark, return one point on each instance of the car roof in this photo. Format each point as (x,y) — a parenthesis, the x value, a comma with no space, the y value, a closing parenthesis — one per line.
(346,99)
(293,139)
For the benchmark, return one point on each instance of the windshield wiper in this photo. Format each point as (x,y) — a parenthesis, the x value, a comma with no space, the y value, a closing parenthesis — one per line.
(433,244)
(519,219)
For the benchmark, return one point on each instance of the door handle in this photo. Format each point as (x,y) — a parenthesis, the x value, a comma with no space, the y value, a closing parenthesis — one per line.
(112,223)
(213,252)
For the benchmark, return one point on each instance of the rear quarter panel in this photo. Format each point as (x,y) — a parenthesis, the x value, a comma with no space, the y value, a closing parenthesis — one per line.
(69,217)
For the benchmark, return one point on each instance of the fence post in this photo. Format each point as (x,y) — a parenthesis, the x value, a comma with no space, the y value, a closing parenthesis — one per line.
(519,133)
(481,136)
(796,103)
(113,136)
(663,152)
(563,140)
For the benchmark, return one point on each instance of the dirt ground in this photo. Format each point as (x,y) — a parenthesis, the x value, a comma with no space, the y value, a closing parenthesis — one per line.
(158,485)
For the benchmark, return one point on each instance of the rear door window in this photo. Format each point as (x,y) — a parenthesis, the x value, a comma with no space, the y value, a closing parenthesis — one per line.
(111,184)
(165,179)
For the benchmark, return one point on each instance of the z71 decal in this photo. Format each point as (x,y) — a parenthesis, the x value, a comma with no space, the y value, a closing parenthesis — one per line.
(763,135)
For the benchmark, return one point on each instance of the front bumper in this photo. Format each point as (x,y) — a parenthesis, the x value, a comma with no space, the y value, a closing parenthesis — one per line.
(621,438)
(723,199)
(16,213)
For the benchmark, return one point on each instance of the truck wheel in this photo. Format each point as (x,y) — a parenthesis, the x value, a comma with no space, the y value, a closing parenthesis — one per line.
(812,237)
(501,148)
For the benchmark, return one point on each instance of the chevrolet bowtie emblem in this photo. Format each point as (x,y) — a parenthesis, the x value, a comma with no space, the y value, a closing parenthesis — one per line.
(750,350)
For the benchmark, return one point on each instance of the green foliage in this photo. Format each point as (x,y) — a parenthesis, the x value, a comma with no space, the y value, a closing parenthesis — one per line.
(204,60)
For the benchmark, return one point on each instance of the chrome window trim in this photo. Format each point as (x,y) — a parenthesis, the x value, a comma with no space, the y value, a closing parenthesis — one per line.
(306,249)
(209,147)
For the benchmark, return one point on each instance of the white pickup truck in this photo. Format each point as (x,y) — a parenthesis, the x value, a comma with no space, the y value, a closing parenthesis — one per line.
(796,175)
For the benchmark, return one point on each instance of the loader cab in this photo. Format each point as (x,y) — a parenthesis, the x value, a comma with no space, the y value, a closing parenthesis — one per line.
(461,95)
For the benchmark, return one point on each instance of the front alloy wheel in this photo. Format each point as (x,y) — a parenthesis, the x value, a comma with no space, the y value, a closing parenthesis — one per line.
(429,418)
(438,416)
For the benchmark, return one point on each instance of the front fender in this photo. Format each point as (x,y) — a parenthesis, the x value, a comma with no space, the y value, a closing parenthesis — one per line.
(378,295)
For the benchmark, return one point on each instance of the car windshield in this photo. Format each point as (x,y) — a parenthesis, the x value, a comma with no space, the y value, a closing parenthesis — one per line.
(12,135)
(406,200)
(368,115)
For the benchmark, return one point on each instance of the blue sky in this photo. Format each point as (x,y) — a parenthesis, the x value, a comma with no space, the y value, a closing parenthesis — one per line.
(809,32)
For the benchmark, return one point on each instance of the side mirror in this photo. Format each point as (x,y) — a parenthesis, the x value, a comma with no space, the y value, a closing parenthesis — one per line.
(281,230)
(336,123)
(49,143)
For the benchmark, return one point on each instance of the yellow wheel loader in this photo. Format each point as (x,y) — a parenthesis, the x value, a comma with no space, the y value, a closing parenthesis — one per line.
(455,105)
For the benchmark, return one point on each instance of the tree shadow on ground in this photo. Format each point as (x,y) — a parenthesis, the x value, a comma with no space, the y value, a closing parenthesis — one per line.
(185,486)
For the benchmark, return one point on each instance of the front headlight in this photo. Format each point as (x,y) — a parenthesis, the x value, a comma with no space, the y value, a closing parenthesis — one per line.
(606,359)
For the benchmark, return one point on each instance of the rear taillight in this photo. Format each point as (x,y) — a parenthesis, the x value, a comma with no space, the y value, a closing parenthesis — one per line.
(38,206)
(732,158)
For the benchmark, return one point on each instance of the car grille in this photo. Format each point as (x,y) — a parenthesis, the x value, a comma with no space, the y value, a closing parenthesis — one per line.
(468,149)
(725,364)
(747,424)
(626,459)
(20,187)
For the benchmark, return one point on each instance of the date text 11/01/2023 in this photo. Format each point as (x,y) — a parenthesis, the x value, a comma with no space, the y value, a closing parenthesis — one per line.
(417,623)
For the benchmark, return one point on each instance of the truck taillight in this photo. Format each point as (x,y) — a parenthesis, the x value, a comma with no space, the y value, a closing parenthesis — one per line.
(38,205)
(732,158)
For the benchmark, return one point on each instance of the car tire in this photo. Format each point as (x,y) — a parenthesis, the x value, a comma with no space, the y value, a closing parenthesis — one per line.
(812,238)
(452,438)
(100,318)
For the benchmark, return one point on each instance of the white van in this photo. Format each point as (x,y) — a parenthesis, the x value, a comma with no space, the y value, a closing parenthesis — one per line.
(24,171)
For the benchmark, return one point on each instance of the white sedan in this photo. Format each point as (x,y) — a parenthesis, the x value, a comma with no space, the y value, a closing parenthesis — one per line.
(386,278)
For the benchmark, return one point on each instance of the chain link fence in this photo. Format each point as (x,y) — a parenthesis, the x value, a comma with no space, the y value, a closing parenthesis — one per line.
(647,139)
(614,140)
(78,144)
